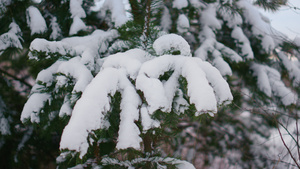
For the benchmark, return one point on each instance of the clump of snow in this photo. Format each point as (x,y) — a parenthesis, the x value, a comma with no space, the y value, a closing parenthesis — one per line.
(166,22)
(208,17)
(78,68)
(117,9)
(183,24)
(206,89)
(179,4)
(129,61)
(190,68)
(77,26)
(147,121)
(197,4)
(96,103)
(56,31)
(293,69)
(35,20)
(33,106)
(169,43)
(3,5)
(37,99)
(217,51)
(232,19)
(77,12)
(74,68)
(42,45)
(210,49)
(11,38)
(260,25)
(269,81)
(76,9)
(243,42)
(89,47)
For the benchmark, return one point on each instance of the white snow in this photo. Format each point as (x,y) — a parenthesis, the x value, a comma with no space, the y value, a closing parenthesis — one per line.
(130,61)
(197,4)
(166,22)
(77,12)
(76,9)
(179,4)
(293,69)
(169,43)
(33,107)
(117,9)
(232,19)
(208,17)
(183,24)
(192,69)
(12,38)
(77,26)
(196,77)
(238,34)
(269,81)
(74,68)
(56,31)
(88,47)
(65,108)
(37,99)
(46,76)
(217,51)
(90,111)
(220,86)
(260,25)
(42,45)
(35,21)
(206,89)
(147,121)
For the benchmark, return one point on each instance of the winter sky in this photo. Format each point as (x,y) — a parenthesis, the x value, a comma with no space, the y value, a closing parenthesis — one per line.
(287,19)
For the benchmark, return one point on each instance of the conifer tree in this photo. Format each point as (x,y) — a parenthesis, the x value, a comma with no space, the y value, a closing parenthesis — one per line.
(149,87)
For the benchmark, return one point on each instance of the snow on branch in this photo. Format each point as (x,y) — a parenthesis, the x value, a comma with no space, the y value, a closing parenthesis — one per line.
(12,38)
(291,66)
(135,71)
(117,9)
(90,111)
(77,12)
(269,81)
(260,25)
(35,21)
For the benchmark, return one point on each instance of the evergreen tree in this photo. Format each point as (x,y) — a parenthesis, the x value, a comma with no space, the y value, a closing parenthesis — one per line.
(149,87)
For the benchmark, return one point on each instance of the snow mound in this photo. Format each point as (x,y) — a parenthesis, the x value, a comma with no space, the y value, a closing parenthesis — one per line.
(169,43)
(35,20)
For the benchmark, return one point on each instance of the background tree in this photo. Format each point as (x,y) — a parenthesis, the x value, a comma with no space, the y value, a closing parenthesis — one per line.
(258,63)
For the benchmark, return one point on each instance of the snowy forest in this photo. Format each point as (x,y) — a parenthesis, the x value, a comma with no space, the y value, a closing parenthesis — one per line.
(125,84)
